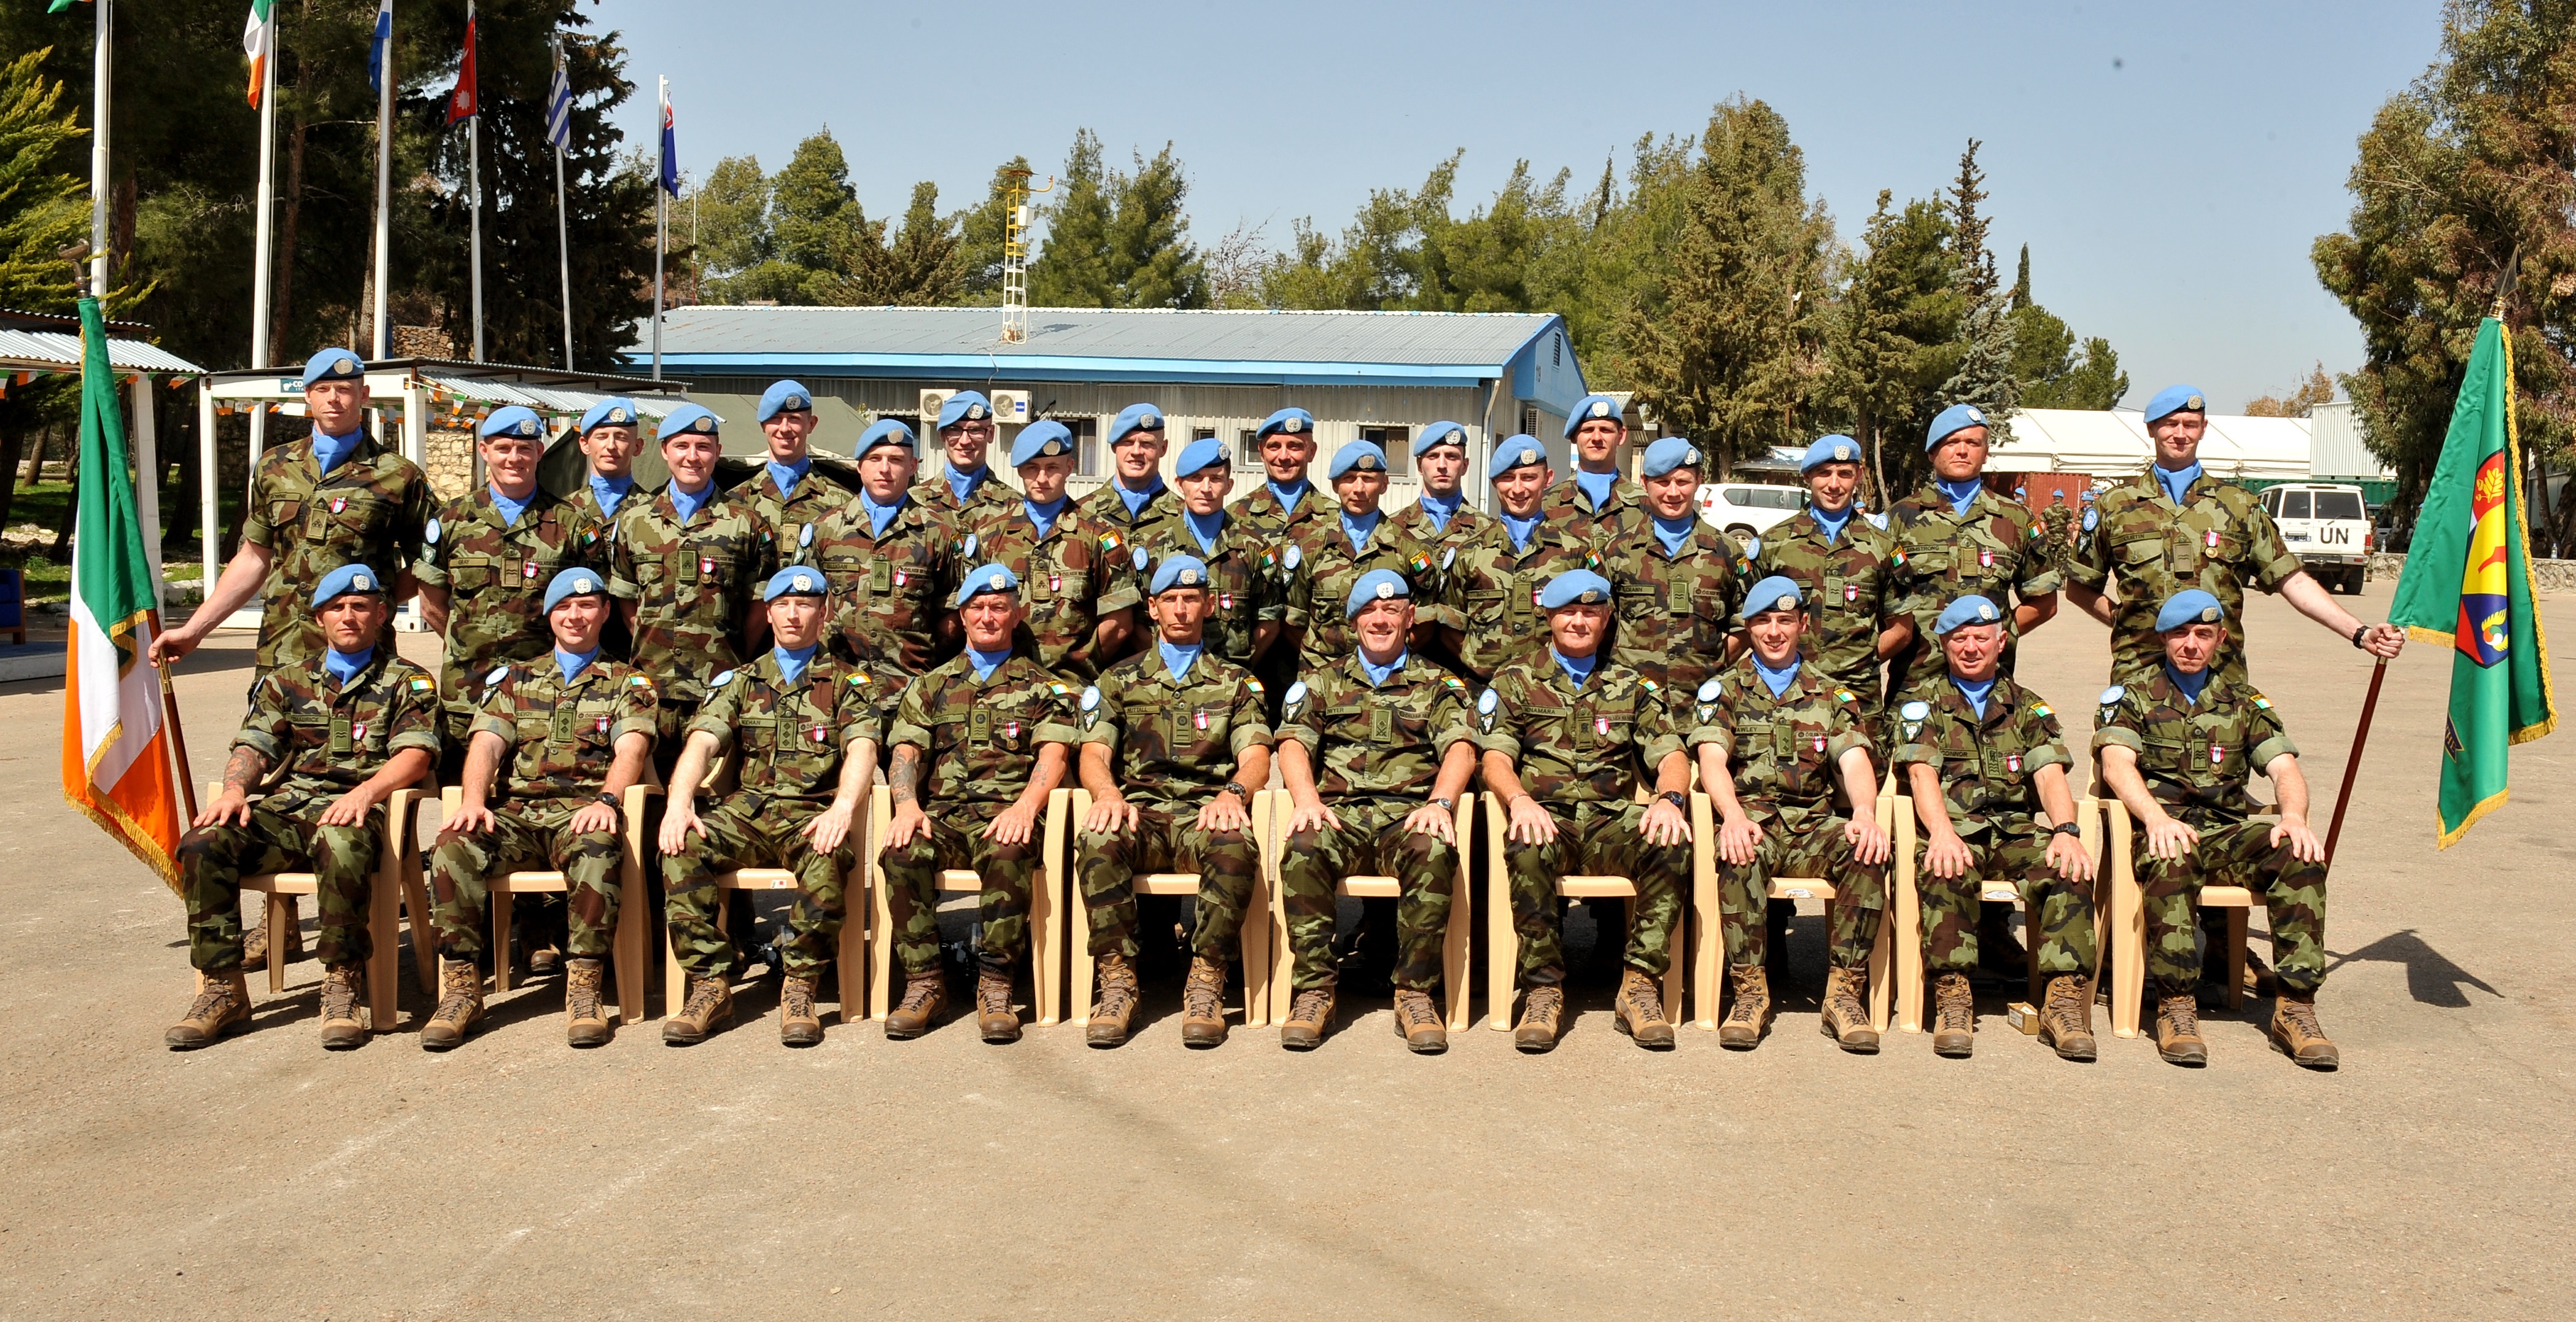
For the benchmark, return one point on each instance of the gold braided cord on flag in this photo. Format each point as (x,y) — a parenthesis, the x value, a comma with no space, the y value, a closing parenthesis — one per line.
(2520,535)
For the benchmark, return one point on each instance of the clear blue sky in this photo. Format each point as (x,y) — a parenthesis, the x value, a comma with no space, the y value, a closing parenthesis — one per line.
(2168,164)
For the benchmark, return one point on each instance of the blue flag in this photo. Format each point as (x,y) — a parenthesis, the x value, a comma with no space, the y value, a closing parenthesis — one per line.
(670,151)
(559,107)
(376,48)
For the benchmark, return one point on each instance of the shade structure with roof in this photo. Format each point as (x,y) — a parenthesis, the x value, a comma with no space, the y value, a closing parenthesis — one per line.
(2113,443)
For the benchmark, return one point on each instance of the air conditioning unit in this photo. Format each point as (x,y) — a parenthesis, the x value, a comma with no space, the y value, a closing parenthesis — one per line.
(1011,406)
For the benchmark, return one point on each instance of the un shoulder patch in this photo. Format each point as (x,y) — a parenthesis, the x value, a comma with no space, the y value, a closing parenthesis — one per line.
(2112,695)
(1294,698)
(1487,701)
(498,674)
(1752,546)
(1915,711)
(1294,555)
(1448,557)
(1091,698)
(721,680)
(1709,689)
(429,533)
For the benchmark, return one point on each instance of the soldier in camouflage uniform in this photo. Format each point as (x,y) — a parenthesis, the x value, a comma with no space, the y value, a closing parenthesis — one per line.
(1956,539)
(1982,757)
(1440,517)
(327,740)
(2057,529)
(1494,584)
(681,567)
(2179,749)
(1390,732)
(610,434)
(1134,502)
(1677,580)
(1772,735)
(890,560)
(576,729)
(1599,501)
(1842,564)
(485,566)
(965,490)
(1568,736)
(805,724)
(1327,556)
(1082,589)
(1173,740)
(979,743)
(1275,514)
(1245,611)
(2175,527)
(789,498)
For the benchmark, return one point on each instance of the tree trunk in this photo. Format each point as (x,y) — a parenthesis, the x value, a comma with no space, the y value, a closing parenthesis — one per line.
(1878,466)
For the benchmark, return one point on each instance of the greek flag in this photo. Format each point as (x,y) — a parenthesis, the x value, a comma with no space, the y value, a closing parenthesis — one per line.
(559,106)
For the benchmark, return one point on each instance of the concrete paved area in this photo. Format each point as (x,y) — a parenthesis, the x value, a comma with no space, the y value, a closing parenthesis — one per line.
(945,1178)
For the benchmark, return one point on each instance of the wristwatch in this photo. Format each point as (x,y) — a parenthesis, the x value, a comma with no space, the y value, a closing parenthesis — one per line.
(1446,805)
(1239,791)
(1676,798)
(2359,632)
(615,805)
(2067,828)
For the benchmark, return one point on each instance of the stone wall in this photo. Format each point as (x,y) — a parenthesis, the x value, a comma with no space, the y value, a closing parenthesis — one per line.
(448,458)
(2548,575)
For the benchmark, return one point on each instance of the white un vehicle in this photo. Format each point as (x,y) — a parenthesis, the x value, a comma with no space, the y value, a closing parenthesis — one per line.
(2326,527)
(1747,509)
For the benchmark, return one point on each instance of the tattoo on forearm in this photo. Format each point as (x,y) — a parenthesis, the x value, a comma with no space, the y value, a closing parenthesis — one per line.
(903,776)
(242,771)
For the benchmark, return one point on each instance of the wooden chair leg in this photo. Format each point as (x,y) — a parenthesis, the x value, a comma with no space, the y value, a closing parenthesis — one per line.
(2128,928)
(1082,973)
(280,914)
(1880,974)
(499,916)
(1255,936)
(675,980)
(1457,943)
(424,932)
(627,943)
(1283,955)
(1708,940)
(1048,906)
(1502,940)
(2236,958)
(1676,968)
(384,949)
(881,956)
(1907,909)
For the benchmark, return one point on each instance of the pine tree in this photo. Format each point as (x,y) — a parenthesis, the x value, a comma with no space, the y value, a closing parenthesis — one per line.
(1895,338)
(919,266)
(1117,240)
(1985,374)
(2021,281)
(40,203)
(1072,268)
(1968,228)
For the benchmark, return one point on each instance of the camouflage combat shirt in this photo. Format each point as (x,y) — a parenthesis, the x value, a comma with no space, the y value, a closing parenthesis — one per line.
(496,580)
(788,526)
(1173,741)
(2197,758)
(1321,568)
(1850,592)
(1675,611)
(979,738)
(2149,548)
(992,497)
(563,736)
(1445,546)
(1993,551)
(370,510)
(1494,590)
(1072,577)
(1596,744)
(1780,751)
(792,737)
(321,738)
(692,585)
(1267,524)
(1104,506)
(1988,766)
(1246,595)
(1383,741)
(888,591)
(1624,512)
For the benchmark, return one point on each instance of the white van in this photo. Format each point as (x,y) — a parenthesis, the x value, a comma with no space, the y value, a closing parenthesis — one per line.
(2325,526)
(1746,509)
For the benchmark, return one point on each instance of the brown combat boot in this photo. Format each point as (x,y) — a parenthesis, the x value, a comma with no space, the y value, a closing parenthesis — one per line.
(1114,1008)
(924,996)
(994,1017)
(1203,1004)
(2296,1032)
(1640,1012)
(585,1009)
(344,994)
(798,1025)
(2178,1030)
(1846,1017)
(709,1007)
(1741,1029)
(1954,1011)
(1417,1021)
(2066,1021)
(222,1005)
(1542,1010)
(460,1003)
(1308,1016)
(544,960)
(255,941)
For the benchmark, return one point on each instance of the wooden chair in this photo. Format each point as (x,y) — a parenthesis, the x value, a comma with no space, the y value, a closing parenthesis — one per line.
(850,957)
(398,883)
(1908,904)
(1455,947)
(1046,908)
(1503,943)
(626,946)
(2128,916)
(1257,913)
(1708,942)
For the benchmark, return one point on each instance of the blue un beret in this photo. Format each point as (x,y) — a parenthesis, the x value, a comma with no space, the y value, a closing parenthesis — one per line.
(1041,439)
(1135,417)
(514,420)
(784,397)
(332,365)
(614,411)
(1375,585)
(1957,417)
(1592,408)
(1295,422)
(576,582)
(886,431)
(1779,592)
(1970,609)
(1362,455)
(347,579)
(1575,587)
(2189,606)
(2175,399)
(794,581)
(1518,451)
(1439,433)
(1179,571)
(964,406)
(1834,449)
(688,420)
(1668,454)
(987,578)
(1203,453)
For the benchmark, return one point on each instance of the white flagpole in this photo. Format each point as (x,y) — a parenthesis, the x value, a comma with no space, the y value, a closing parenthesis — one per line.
(474,188)
(563,234)
(101,80)
(264,244)
(384,204)
(660,229)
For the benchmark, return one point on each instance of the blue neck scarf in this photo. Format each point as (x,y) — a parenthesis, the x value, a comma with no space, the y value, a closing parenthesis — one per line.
(788,475)
(792,661)
(686,504)
(1778,680)
(1442,509)
(1360,529)
(1205,528)
(1044,516)
(879,516)
(1962,493)
(345,665)
(1577,669)
(1380,674)
(2191,685)
(962,482)
(1289,495)
(330,451)
(1976,694)
(510,509)
(1595,485)
(2177,482)
(1135,500)
(1832,523)
(1520,527)
(1674,533)
(609,491)
(1178,659)
(986,663)
(573,663)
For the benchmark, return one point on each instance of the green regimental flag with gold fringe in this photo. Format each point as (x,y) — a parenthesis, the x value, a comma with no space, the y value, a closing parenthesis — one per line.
(2467,586)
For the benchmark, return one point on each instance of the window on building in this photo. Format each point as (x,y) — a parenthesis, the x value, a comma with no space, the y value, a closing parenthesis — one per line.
(1398,444)
(1086,446)
(1529,419)
(1247,451)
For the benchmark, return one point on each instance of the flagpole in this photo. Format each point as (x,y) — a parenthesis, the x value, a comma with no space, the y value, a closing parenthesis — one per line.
(474,192)
(661,227)
(101,80)
(2352,762)
(563,232)
(384,202)
(264,244)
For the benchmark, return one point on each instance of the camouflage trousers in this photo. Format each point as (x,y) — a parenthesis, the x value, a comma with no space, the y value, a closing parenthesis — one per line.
(1595,839)
(1371,843)
(757,831)
(282,837)
(955,838)
(2234,853)
(1814,848)
(1166,838)
(2061,911)
(531,837)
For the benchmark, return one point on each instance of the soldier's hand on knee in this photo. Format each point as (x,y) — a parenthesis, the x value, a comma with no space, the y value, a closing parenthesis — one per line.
(2304,844)
(2170,838)
(349,809)
(1738,838)
(1531,824)
(677,822)
(228,809)
(1312,815)
(829,828)
(591,817)
(1869,844)
(1664,824)
(1948,859)
(473,820)
(2066,854)
(907,823)
(1222,813)
(1014,826)
(1112,815)
(1431,819)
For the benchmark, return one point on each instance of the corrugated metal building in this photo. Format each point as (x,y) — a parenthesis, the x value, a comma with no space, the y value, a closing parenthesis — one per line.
(1375,375)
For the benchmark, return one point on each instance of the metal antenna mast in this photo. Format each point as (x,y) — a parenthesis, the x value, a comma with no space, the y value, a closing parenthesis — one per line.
(1015,253)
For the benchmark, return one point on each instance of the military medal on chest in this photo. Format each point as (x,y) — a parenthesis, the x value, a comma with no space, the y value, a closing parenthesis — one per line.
(2217,754)
(1200,719)
(527,569)
(2012,762)
(1851,592)
(1985,558)
(2210,539)
(1601,726)
(820,733)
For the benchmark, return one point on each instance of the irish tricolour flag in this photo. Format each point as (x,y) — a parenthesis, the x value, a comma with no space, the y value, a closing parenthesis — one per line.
(256,45)
(116,753)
